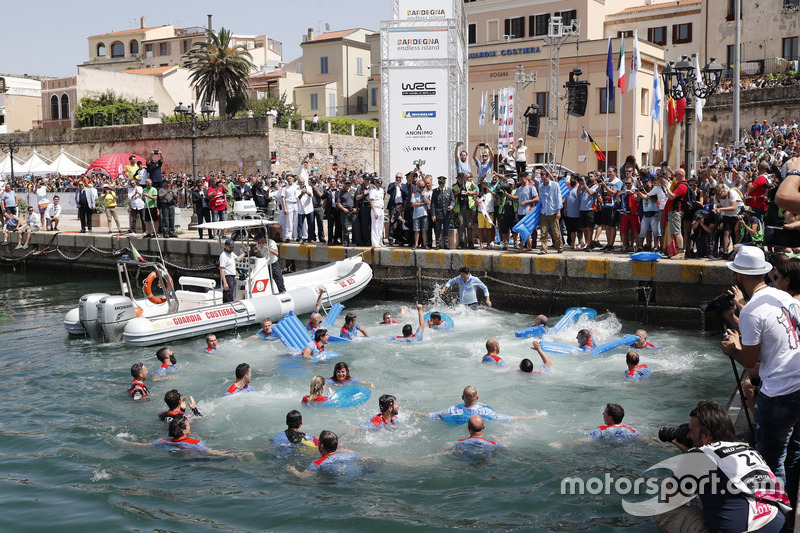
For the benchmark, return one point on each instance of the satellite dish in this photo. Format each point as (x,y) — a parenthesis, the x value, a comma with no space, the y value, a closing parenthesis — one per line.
(327,27)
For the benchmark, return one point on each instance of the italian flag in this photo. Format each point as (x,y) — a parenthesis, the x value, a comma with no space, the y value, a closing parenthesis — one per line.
(621,68)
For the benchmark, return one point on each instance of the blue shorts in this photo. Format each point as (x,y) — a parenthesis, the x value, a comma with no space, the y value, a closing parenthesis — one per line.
(421,223)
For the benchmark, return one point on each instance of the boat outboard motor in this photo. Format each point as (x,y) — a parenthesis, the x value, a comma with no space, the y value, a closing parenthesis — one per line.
(87,312)
(113,313)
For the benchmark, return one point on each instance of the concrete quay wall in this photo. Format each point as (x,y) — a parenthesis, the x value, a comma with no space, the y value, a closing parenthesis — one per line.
(664,293)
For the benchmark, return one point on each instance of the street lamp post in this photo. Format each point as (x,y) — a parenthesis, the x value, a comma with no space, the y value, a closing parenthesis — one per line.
(188,117)
(11,148)
(680,80)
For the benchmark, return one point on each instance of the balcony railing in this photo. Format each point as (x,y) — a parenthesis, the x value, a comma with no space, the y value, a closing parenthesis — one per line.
(760,67)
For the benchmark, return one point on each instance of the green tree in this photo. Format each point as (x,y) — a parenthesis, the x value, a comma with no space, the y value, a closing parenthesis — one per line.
(108,109)
(220,70)
(260,107)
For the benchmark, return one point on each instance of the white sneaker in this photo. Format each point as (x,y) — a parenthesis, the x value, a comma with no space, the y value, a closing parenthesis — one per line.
(25,247)
(19,247)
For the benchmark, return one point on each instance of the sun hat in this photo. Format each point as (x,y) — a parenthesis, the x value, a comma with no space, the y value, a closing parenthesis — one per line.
(750,261)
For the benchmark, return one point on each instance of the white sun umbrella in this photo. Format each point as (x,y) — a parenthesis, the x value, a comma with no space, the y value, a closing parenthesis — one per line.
(64,165)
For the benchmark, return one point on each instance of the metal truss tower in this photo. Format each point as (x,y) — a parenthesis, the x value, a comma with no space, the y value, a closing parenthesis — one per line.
(557,35)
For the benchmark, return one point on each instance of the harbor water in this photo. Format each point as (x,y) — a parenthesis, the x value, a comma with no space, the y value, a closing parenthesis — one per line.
(68,430)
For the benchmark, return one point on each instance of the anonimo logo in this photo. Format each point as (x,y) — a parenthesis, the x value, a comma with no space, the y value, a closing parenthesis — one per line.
(419,132)
(420,88)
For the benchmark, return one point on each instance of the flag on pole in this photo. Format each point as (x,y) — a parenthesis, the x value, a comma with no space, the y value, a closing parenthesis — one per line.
(636,62)
(680,109)
(655,102)
(136,255)
(482,110)
(584,135)
(494,107)
(610,72)
(698,102)
(621,67)
(597,151)
(670,111)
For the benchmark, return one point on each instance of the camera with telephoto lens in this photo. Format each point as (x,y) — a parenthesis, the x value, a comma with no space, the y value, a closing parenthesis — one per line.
(720,303)
(679,434)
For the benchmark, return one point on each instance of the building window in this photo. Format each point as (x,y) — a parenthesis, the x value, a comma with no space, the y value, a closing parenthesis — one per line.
(64,106)
(542,100)
(657,35)
(515,27)
(54,107)
(604,102)
(373,96)
(645,102)
(492,31)
(163,49)
(331,105)
(790,48)
(323,65)
(567,16)
(101,50)
(538,24)
(117,50)
(314,101)
(133,47)
(628,33)
(472,31)
(682,33)
(359,66)
(791,3)
(732,8)
(148,50)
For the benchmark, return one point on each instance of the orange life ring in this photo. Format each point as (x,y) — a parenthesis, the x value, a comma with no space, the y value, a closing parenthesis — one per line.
(148,291)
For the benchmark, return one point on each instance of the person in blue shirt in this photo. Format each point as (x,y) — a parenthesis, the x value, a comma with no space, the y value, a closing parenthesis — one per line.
(613,428)
(387,417)
(292,437)
(470,407)
(526,365)
(493,353)
(315,320)
(351,327)
(333,462)
(265,333)
(587,192)
(169,363)
(314,349)
(407,336)
(476,446)
(242,383)
(585,340)
(635,370)
(527,197)
(467,284)
(435,322)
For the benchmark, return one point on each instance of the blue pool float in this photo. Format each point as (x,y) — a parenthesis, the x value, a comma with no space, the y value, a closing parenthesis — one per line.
(645,256)
(555,347)
(527,224)
(334,312)
(571,316)
(445,318)
(347,397)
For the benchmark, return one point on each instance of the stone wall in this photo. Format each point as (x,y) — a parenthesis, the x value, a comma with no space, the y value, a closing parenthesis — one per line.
(221,146)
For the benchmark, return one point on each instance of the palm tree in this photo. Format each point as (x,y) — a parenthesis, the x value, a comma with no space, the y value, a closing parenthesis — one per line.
(220,71)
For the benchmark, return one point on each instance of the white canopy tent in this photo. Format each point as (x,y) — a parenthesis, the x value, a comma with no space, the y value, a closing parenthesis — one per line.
(35,165)
(64,165)
(5,165)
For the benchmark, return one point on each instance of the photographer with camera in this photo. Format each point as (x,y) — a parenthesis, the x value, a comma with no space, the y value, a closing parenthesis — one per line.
(770,334)
(465,194)
(484,164)
(587,193)
(734,484)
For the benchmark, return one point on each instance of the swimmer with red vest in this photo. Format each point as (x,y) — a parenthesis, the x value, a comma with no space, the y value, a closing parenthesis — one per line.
(242,383)
(176,407)
(585,340)
(635,370)
(265,333)
(612,430)
(179,439)
(314,349)
(315,320)
(388,319)
(138,390)
(476,446)
(435,322)
(417,336)
(526,365)
(316,392)
(341,376)
(334,462)
(211,343)
(389,408)
(352,327)
(292,436)
(169,364)
(493,353)
(641,343)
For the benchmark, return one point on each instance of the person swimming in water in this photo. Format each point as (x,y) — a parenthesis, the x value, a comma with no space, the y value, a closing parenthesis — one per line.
(179,438)
(641,343)
(315,320)
(476,446)
(493,353)
(585,339)
(138,390)
(389,408)
(388,319)
(435,322)
(315,349)
(635,370)
(242,383)
(292,436)
(471,407)
(526,365)
(351,327)
(265,333)
(341,376)
(334,462)
(211,343)
(407,336)
(316,391)
(169,363)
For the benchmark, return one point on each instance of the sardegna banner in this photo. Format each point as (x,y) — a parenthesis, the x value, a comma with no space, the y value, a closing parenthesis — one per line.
(419,111)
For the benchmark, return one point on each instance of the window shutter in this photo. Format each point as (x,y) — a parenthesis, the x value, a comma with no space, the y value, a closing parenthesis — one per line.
(507,27)
(531,25)
(521,28)
(689,33)
(674,34)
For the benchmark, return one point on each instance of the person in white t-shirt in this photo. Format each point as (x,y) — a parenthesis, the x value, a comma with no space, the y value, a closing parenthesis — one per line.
(289,200)
(52,215)
(770,349)
(376,196)
(42,200)
(136,206)
(520,156)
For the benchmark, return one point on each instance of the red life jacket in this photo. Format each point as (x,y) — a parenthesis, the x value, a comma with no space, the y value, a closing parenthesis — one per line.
(633,370)
(323,458)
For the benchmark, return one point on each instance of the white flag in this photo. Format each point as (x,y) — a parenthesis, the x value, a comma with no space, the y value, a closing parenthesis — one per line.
(636,62)
(494,107)
(655,102)
(699,102)
(482,110)
(584,135)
